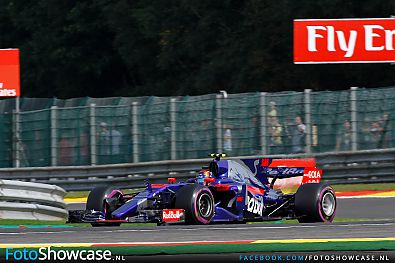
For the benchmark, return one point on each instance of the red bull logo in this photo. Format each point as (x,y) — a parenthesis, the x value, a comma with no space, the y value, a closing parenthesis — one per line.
(172,215)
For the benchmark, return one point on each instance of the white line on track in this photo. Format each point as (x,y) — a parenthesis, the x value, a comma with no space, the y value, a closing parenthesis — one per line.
(199,229)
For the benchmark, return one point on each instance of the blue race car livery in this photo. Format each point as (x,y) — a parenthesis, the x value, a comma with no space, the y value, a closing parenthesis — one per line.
(228,191)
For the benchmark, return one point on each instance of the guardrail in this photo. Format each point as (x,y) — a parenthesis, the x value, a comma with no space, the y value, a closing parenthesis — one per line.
(339,167)
(35,201)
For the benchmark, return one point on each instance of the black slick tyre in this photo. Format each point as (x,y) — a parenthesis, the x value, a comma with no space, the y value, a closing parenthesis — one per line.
(315,202)
(198,203)
(96,201)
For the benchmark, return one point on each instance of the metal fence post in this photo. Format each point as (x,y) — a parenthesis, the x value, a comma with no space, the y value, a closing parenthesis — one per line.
(135,132)
(16,114)
(54,136)
(262,130)
(173,128)
(307,112)
(16,138)
(218,107)
(353,108)
(92,127)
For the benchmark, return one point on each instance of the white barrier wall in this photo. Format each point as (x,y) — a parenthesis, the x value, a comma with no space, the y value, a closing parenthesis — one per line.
(33,201)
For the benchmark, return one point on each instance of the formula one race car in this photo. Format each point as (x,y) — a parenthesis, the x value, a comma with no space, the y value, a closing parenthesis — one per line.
(228,191)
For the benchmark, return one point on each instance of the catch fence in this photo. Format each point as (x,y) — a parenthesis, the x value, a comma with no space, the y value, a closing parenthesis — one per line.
(89,131)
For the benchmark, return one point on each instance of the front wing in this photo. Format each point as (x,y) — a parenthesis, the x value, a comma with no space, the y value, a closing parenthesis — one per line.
(145,216)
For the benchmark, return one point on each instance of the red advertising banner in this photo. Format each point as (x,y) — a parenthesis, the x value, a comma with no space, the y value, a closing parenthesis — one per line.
(344,40)
(9,73)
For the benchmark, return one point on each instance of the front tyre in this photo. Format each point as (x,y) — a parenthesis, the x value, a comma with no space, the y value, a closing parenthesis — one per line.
(315,202)
(97,201)
(198,203)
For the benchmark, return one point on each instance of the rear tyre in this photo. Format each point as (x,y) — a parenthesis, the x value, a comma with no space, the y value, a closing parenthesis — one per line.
(198,203)
(96,201)
(315,203)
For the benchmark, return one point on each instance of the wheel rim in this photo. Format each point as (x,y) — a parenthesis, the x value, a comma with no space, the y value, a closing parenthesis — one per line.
(328,204)
(205,205)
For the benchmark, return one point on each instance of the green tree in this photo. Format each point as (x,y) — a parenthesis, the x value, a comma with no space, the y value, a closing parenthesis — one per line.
(66,48)
(175,47)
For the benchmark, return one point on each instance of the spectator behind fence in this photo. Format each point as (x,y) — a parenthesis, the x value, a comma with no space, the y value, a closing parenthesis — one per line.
(104,143)
(391,129)
(273,110)
(65,150)
(37,155)
(385,138)
(83,157)
(298,136)
(365,135)
(376,131)
(343,141)
(116,139)
(227,139)
(275,133)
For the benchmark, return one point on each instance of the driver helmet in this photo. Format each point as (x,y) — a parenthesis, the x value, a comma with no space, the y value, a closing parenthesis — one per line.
(204,174)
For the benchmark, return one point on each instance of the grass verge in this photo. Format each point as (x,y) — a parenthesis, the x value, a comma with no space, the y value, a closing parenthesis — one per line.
(364,187)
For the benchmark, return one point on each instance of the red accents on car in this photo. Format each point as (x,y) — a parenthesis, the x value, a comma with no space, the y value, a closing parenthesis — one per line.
(171,180)
(173,215)
(255,190)
(158,185)
(239,199)
(265,162)
(311,175)
(221,187)
(309,162)
(208,180)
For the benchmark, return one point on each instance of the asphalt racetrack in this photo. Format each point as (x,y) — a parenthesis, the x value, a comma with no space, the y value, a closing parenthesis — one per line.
(198,233)
(380,209)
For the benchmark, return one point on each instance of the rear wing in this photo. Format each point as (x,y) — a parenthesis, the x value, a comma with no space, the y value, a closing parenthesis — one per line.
(308,162)
(288,168)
